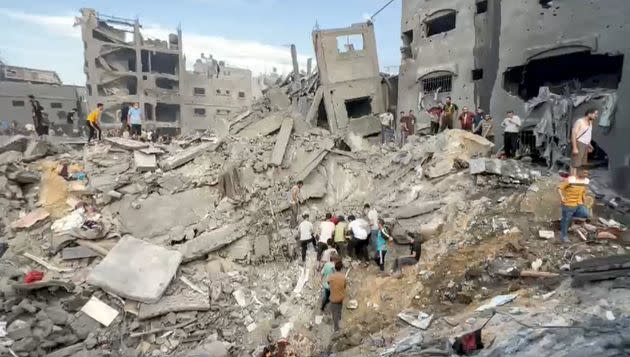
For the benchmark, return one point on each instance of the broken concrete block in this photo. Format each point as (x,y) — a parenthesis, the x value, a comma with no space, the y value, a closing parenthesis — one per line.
(304,167)
(127,143)
(239,296)
(77,253)
(24,176)
(16,143)
(136,270)
(546,234)
(278,98)
(30,219)
(508,168)
(187,155)
(187,300)
(35,150)
(281,142)
(209,242)
(144,162)
(10,157)
(418,209)
(263,127)
(19,329)
(99,311)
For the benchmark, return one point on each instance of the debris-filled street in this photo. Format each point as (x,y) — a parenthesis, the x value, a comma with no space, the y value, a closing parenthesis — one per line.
(341,211)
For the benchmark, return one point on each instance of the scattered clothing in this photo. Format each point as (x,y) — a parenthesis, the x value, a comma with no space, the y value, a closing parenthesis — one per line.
(33,276)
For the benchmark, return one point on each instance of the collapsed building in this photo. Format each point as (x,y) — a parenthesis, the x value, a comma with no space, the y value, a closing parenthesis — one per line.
(547,61)
(17,83)
(123,66)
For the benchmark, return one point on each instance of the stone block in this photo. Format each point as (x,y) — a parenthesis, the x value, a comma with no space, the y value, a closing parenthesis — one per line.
(136,270)
(16,143)
(36,150)
(209,242)
(10,157)
(144,162)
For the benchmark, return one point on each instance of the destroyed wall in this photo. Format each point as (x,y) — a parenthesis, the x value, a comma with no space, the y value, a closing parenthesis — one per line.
(210,102)
(550,32)
(56,100)
(349,74)
(437,52)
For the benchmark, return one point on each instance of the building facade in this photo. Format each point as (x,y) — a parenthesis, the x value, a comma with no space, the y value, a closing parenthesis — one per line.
(547,61)
(123,67)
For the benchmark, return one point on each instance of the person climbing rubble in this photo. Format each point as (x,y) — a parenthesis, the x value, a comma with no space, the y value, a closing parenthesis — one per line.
(512,127)
(337,284)
(572,201)
(306,235)
(371,215)
(382,239)
(487,128)
(326,231)
(93,121)
(415,248)
(340,241)
(387,127)
(358,228)
(581,135)
(327,270)
(39,117)
(294,201)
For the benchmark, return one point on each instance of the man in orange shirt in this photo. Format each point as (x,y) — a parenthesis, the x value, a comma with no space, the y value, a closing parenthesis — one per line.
(337,285)
(572,196)
(93,120)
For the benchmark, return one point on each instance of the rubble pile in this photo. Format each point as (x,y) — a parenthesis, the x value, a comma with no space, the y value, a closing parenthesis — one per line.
(140,249)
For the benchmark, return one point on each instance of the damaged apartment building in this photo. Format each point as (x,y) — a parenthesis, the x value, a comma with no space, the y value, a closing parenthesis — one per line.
(17,83)
(351,88)
(123,66)
(547,60)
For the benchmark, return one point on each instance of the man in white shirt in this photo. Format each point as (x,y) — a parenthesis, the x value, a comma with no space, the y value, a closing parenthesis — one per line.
(306,235)
(581,136)
(294,201)
(387,127)
(512,127)
(359,231)
(326,231)
(372,218)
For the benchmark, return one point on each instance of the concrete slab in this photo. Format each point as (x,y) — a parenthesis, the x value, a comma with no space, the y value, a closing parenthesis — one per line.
(263,127)
(77,253)
(136,270)
(365,126)
(418,209)
(209,242)
(99,311)
(144,162)
(30,219)
(158,214)
(127,143)
(15,143)
(314,109)
(187,300)
(304,167)
(10,157)
(187,155)
(281,142)
(35,150)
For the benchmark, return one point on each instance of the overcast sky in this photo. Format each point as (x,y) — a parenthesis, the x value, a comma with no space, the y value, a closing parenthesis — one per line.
(247,33)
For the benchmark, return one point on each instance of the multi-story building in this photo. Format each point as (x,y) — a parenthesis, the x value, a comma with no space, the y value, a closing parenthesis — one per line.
(546,60)
(122,67)
(17,83)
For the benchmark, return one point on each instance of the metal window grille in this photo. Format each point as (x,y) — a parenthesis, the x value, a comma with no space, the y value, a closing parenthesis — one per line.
(444,83)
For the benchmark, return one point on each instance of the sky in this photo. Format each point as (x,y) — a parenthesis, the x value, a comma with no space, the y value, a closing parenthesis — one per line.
(253,34)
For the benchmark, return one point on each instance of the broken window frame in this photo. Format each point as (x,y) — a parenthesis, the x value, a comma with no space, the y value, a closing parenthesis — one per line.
(437,16)
(477,74)
(199,112)
(344,48)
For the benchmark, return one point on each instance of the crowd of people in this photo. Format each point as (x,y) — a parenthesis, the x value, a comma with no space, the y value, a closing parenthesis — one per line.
(364,238)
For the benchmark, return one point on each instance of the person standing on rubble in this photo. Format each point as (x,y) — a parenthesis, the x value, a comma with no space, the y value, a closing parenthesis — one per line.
(93,121)
(415,247)
(124,118)
(337,284)
(326,230)
(306,235)
(406,127)
(327,270)
(581,135)
(572,201)
(39,120)
(294,201)
(435,113)
(448,113)
(466,119)
(134,119)
(358,229)
(512,127)
(340,241)
(382,239)
(387,127)
(487,129)
(372,217)
(477,121)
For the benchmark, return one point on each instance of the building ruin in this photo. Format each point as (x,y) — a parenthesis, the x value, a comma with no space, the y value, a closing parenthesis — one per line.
(548,61)
(123,66)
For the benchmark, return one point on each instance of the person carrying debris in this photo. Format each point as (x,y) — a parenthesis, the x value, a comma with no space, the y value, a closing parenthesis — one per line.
(572,201)
(327,270)
(359,241)
(382,238)
(477,121)
(306,235)
(415,248)
(487,129)
(406,127)
(341,244)
(294,201)
(581,135)
(326,230)
(134,120)
(512,127)
(387,127)
(337,284)
(93,120)
(448,113)
(466,119)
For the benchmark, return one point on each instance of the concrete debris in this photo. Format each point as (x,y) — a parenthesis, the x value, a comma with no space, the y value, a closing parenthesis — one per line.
(282,141)
(187,155)
(263,127)
(209,242)
(546,234)
(16,143)
(419,320)
(136,270)
(499,300)
(127,144)
(77,253)
(415,210)
(30,219)
(99,311)
(506,168)
(144,162)
(35,150)
(183,301)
